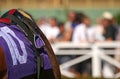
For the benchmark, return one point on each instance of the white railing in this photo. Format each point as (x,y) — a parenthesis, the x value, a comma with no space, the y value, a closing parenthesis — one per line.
(94,51)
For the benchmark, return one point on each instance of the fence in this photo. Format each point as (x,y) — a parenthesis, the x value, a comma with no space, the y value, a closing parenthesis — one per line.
(97,52)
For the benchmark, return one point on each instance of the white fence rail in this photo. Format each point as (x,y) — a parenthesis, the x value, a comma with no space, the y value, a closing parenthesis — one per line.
(94,51)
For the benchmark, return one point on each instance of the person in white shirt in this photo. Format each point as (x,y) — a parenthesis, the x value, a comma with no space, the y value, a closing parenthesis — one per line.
(44,28)
(43,25)
(53,30)
(99,30)
(83,32)
(50,29)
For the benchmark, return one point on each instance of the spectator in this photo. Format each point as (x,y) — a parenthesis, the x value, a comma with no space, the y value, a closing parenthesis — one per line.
(41,21)
(74,21)
(79,18)
(109,35)
(83,32)
(116,26)
(118,37)
(109,30)
(117,53)
(71,19)
(53,30)
(50,29)
(43,25)
(99,30)
(69,25)
(61,35)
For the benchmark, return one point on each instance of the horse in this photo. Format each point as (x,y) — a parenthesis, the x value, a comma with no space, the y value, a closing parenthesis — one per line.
(25,52)
(3,66)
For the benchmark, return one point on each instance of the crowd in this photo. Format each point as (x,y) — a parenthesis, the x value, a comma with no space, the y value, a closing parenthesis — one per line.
(78,28)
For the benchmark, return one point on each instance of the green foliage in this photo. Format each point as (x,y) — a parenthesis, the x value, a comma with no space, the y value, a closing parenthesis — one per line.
(61,13)
(117,17)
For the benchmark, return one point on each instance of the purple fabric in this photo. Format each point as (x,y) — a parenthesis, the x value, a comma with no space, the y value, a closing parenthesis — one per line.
(47,63)
(20,70)
(39,42)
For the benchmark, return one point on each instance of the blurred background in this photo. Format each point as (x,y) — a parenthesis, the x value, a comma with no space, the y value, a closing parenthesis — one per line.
(39,8)
(85,34)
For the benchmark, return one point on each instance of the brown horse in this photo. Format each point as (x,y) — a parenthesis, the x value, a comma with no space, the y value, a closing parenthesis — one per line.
(53,73)
(3,66)
(3,70)
(28,25)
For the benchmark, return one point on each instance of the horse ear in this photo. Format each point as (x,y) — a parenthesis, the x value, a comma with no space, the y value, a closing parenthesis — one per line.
(3,65)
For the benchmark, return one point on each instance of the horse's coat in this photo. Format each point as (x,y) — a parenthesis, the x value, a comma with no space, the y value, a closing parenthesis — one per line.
(3,66)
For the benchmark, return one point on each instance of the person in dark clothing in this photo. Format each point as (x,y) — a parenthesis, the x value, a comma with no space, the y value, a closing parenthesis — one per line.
(61,35)
(109,33)
(116,26)
(109,30)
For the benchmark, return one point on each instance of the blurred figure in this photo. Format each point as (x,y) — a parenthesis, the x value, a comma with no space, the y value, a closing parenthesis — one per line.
(50,28)
(53,30)
(99,30)
(109,30)
(116,26)
(41,21)
(61,35)
(68,25)
(71,19)
(43,25)
(117,53)
(118,36)
(109,35)
(79,18)
(84,32)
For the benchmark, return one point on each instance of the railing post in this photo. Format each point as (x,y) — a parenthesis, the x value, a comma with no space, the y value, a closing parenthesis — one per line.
(96,62)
